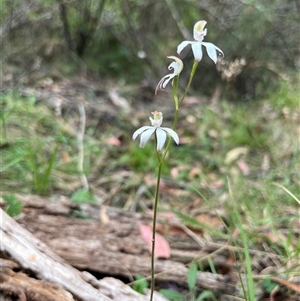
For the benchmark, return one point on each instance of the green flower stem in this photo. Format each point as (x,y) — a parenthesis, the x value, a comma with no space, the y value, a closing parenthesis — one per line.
(154,225)
(195,65)
(175,86)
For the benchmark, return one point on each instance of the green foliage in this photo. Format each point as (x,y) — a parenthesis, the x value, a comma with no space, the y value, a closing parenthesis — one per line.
(31,141)
(269,285)
(287,96)
(190,221)
(14,206)
(143,159)
(248,288)
(109,35)
(192,276)
(82,196)
(192,280)
(206,295)
(140,284)
(172,295)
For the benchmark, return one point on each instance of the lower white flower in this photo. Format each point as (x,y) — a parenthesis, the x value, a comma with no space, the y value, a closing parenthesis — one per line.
(160,132)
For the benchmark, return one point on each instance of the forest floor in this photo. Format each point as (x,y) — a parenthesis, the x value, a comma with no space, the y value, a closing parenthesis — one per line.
(232,181)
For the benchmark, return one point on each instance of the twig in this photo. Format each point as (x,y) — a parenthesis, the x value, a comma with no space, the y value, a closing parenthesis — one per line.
(80,137)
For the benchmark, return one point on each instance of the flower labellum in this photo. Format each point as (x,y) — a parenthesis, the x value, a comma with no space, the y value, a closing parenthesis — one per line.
(199,34)
(176,66)
(160,132)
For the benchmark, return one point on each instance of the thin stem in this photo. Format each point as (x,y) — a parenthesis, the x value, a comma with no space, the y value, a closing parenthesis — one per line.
(195,65)
(80,137)
(154,227)
(175,85)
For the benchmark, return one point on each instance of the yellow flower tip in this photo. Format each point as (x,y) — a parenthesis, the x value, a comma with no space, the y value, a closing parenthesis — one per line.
(157,115)
(199,26)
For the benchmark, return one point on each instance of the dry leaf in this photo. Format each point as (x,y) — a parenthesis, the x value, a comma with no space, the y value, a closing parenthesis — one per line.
(216,184)
(243,166)
(235,154)
(118,100)
(265,165)
(113,141)
(103,216)
(162,248)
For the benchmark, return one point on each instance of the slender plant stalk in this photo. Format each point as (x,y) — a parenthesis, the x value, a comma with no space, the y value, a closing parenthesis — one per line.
(194,68)
(250,283)
(80,137)
(154,227)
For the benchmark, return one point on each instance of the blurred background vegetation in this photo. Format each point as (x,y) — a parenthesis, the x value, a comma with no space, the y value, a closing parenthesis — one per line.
(130,40)
(47,42)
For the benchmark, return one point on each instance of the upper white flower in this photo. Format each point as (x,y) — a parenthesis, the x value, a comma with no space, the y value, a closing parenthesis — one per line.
(161,132)
(199,34)
(176,66)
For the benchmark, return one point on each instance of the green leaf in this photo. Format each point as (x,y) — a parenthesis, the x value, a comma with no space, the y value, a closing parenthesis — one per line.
(190,221)
(172,295)
(192,276)
(140,285)
(14,207)
(206,294)
(269,285)
(82,196)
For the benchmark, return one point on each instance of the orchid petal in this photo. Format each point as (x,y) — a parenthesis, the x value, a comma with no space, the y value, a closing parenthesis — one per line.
(172,133)
(197,50)
(161,139)
(164,84)
(177,66)
(172,66)
(183,45)
(160,83)
(212,51)
(145,136)
(140,130)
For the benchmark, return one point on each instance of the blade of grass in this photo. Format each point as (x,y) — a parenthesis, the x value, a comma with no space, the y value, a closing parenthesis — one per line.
(239,225)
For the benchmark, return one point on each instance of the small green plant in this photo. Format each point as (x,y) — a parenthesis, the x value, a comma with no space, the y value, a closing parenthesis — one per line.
(41,166)
(269,285)
(248,288)
(140,284)
(172,295)
(82,196)
(14,206)
(192,295)
(32,139)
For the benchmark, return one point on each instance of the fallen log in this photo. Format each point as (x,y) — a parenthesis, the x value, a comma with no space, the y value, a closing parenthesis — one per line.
(34,255)
(62,280)
(105,242)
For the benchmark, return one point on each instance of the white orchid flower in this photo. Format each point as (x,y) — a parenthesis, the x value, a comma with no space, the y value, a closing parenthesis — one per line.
(199,34)
(176,66)
(160,132)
